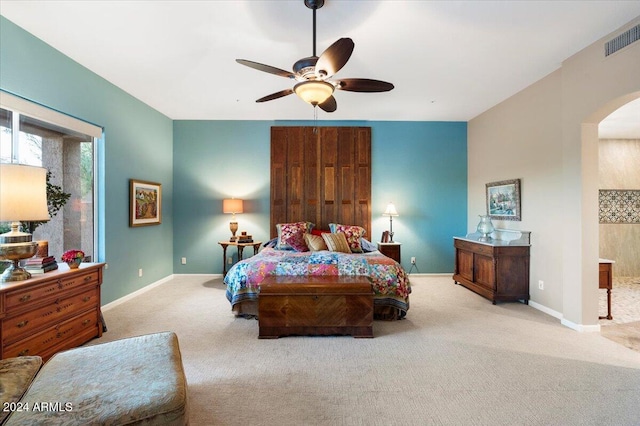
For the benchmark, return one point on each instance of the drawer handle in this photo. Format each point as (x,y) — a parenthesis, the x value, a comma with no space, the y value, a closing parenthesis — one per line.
(25,298)
(85,322)
(24,352)
(86,299)
(87,278)
(22,323)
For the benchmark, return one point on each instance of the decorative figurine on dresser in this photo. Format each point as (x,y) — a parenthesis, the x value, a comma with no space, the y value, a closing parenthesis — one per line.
(495,267)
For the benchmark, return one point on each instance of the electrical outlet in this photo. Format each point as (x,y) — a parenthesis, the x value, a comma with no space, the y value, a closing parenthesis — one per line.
(184,260)
(413,260)
(229,260)
(541,284)
(140,272)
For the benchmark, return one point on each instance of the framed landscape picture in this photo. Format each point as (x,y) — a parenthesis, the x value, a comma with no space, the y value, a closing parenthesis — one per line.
(145,203)
(503,199)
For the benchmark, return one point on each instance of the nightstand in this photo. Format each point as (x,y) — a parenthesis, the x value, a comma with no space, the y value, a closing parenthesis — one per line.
(391,250)
(240,246)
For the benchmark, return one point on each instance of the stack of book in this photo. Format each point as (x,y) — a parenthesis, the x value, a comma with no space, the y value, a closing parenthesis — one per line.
(245,238)
(40,265)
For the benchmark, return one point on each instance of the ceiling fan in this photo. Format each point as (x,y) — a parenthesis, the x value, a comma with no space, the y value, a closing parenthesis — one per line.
(312,73)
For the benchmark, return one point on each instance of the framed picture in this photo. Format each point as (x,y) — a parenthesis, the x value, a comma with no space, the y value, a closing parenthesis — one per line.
(145,203)
(503,199)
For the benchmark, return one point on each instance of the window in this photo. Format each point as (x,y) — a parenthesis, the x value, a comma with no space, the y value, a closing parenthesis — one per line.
(66,147)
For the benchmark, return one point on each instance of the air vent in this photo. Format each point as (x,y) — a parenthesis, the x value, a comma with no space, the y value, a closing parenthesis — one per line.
(622,41)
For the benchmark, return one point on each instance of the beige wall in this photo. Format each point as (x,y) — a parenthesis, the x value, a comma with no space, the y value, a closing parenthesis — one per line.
(547,135)
(619,168)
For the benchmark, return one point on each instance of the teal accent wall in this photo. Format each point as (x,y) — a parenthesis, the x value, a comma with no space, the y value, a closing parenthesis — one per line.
(138,143)
(420,166)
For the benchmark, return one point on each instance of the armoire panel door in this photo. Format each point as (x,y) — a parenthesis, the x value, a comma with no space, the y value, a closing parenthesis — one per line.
(278,177)
(312,175)
(295,176)
(362,191)
(321,175)
(328,145)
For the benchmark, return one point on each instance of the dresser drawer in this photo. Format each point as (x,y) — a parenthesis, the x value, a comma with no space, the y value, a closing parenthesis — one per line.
(48,289)
(68,334)
(483,249)
(49,314)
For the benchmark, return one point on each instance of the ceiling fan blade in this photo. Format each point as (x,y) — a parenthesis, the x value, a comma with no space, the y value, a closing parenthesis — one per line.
(275,95)
(329,105)
(334,58)
(363,85)
(266,68)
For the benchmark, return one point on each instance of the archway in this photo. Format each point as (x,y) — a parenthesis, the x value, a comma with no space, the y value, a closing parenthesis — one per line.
(590,230)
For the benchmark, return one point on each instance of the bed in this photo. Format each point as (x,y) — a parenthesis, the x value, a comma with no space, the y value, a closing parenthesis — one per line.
(389,280)
(323,175)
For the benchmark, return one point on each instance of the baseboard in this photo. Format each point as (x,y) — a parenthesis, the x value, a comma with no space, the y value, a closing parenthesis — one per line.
(545,309)
(577,327)
(130,296)
(581,327)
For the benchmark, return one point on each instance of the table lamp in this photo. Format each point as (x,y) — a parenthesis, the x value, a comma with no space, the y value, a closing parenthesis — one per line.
(391,212)
(233,206)
(23,197)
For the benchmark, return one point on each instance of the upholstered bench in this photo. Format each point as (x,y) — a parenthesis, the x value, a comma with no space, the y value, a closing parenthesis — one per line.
(315,305)
(133,381)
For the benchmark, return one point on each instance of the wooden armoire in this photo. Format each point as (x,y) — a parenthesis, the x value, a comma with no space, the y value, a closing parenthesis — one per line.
(321,175)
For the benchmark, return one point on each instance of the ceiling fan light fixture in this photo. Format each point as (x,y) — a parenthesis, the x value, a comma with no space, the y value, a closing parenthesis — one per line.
(314,92)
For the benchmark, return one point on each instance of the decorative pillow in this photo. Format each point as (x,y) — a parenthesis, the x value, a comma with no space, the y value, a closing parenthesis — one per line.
(315,242)
(17,374)
(297,241)
(286,230)
(319,232)
(336,242)
(367,246)
(353,234)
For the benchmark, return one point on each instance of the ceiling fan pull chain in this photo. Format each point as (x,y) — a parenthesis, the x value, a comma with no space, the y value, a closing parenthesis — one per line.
(315,119)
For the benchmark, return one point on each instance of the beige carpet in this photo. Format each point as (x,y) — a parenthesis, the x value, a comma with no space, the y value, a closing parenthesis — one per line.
(456,360)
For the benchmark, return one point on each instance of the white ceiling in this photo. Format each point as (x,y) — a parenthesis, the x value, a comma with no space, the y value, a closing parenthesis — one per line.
(448,60)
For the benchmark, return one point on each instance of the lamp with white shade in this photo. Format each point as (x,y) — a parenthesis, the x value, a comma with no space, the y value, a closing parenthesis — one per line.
(23,197)
(233,206)
(391,212)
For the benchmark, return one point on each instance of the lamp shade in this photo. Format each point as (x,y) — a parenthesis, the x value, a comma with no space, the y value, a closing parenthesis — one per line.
(23,193)
(231,205)
(390,211)
(314,92)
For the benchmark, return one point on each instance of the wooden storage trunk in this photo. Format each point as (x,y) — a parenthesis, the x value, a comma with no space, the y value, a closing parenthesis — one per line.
(317,305)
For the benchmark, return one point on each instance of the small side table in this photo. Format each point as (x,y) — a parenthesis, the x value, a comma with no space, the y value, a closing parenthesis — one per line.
(606,281)
(240,246)
(391,250)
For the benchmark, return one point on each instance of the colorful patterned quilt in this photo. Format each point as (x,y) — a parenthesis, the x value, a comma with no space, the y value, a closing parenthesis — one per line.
(390,281)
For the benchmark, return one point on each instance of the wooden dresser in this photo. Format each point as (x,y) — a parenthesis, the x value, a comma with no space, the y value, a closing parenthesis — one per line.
(51,312)
(497,269)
